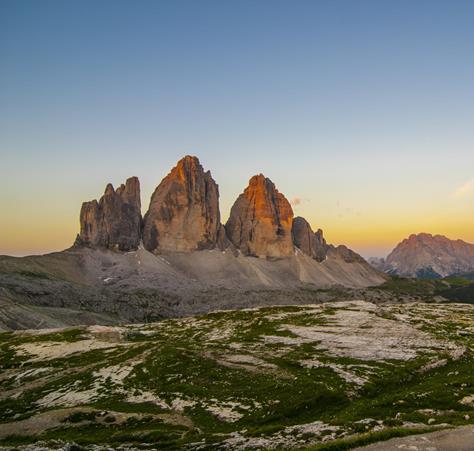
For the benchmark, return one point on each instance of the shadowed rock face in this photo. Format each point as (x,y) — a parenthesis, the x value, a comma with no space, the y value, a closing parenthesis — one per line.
(260,220)
(310,243)
(303,235)
(184,211)
(346,254)
(314,244)
(114,221)
(320,246)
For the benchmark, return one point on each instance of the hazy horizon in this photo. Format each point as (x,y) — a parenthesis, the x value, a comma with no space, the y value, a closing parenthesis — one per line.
(361,113)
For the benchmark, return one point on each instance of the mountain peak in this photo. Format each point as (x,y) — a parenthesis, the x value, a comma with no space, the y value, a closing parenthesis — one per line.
(310,243)
(427,255)
(114,221)
(109,189)
(260,220)
(184,210)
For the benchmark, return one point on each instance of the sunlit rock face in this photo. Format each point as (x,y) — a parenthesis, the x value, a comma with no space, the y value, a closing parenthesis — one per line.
(115,221)
(429,256)
(260,220)
(184,211)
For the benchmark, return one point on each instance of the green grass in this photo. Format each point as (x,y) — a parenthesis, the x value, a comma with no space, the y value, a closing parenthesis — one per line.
(180,361)
(454,288)
(413,287)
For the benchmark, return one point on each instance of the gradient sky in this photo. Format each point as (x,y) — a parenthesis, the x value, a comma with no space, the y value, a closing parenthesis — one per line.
(361,112)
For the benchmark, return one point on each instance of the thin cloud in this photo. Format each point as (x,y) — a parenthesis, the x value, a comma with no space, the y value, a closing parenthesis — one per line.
(465,189)
(296,201)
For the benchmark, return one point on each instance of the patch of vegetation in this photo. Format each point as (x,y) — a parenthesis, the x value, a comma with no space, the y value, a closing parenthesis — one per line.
(68,335)
(458,288)
(200,379)
(460,293)
(9,357)
(34,274)
(407,286)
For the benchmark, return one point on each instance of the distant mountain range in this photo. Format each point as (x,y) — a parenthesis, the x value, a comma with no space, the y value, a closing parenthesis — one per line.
(428,256)
(179,259)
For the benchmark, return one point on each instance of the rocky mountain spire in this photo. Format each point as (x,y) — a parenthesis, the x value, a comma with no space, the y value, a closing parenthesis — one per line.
(314,244)
(310,243)
(260,220)
(115,221)
(184,211)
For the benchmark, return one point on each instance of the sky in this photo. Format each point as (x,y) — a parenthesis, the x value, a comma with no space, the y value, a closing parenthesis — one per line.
(361,112)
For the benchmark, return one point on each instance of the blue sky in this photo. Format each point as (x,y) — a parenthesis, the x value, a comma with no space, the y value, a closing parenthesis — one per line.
(361,112)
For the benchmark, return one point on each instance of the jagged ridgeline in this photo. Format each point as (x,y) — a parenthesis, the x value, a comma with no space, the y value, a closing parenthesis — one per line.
(184,216)
(114,221)
(427,256)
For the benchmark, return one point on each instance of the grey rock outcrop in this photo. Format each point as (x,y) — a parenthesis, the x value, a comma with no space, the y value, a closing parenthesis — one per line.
(314,244)
(260,220)
(310,243)
(346,254)
(115,221)
(320,247)
(303,235)
(184,211)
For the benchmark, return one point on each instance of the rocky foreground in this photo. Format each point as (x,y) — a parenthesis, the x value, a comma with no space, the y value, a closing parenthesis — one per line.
(347,372)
